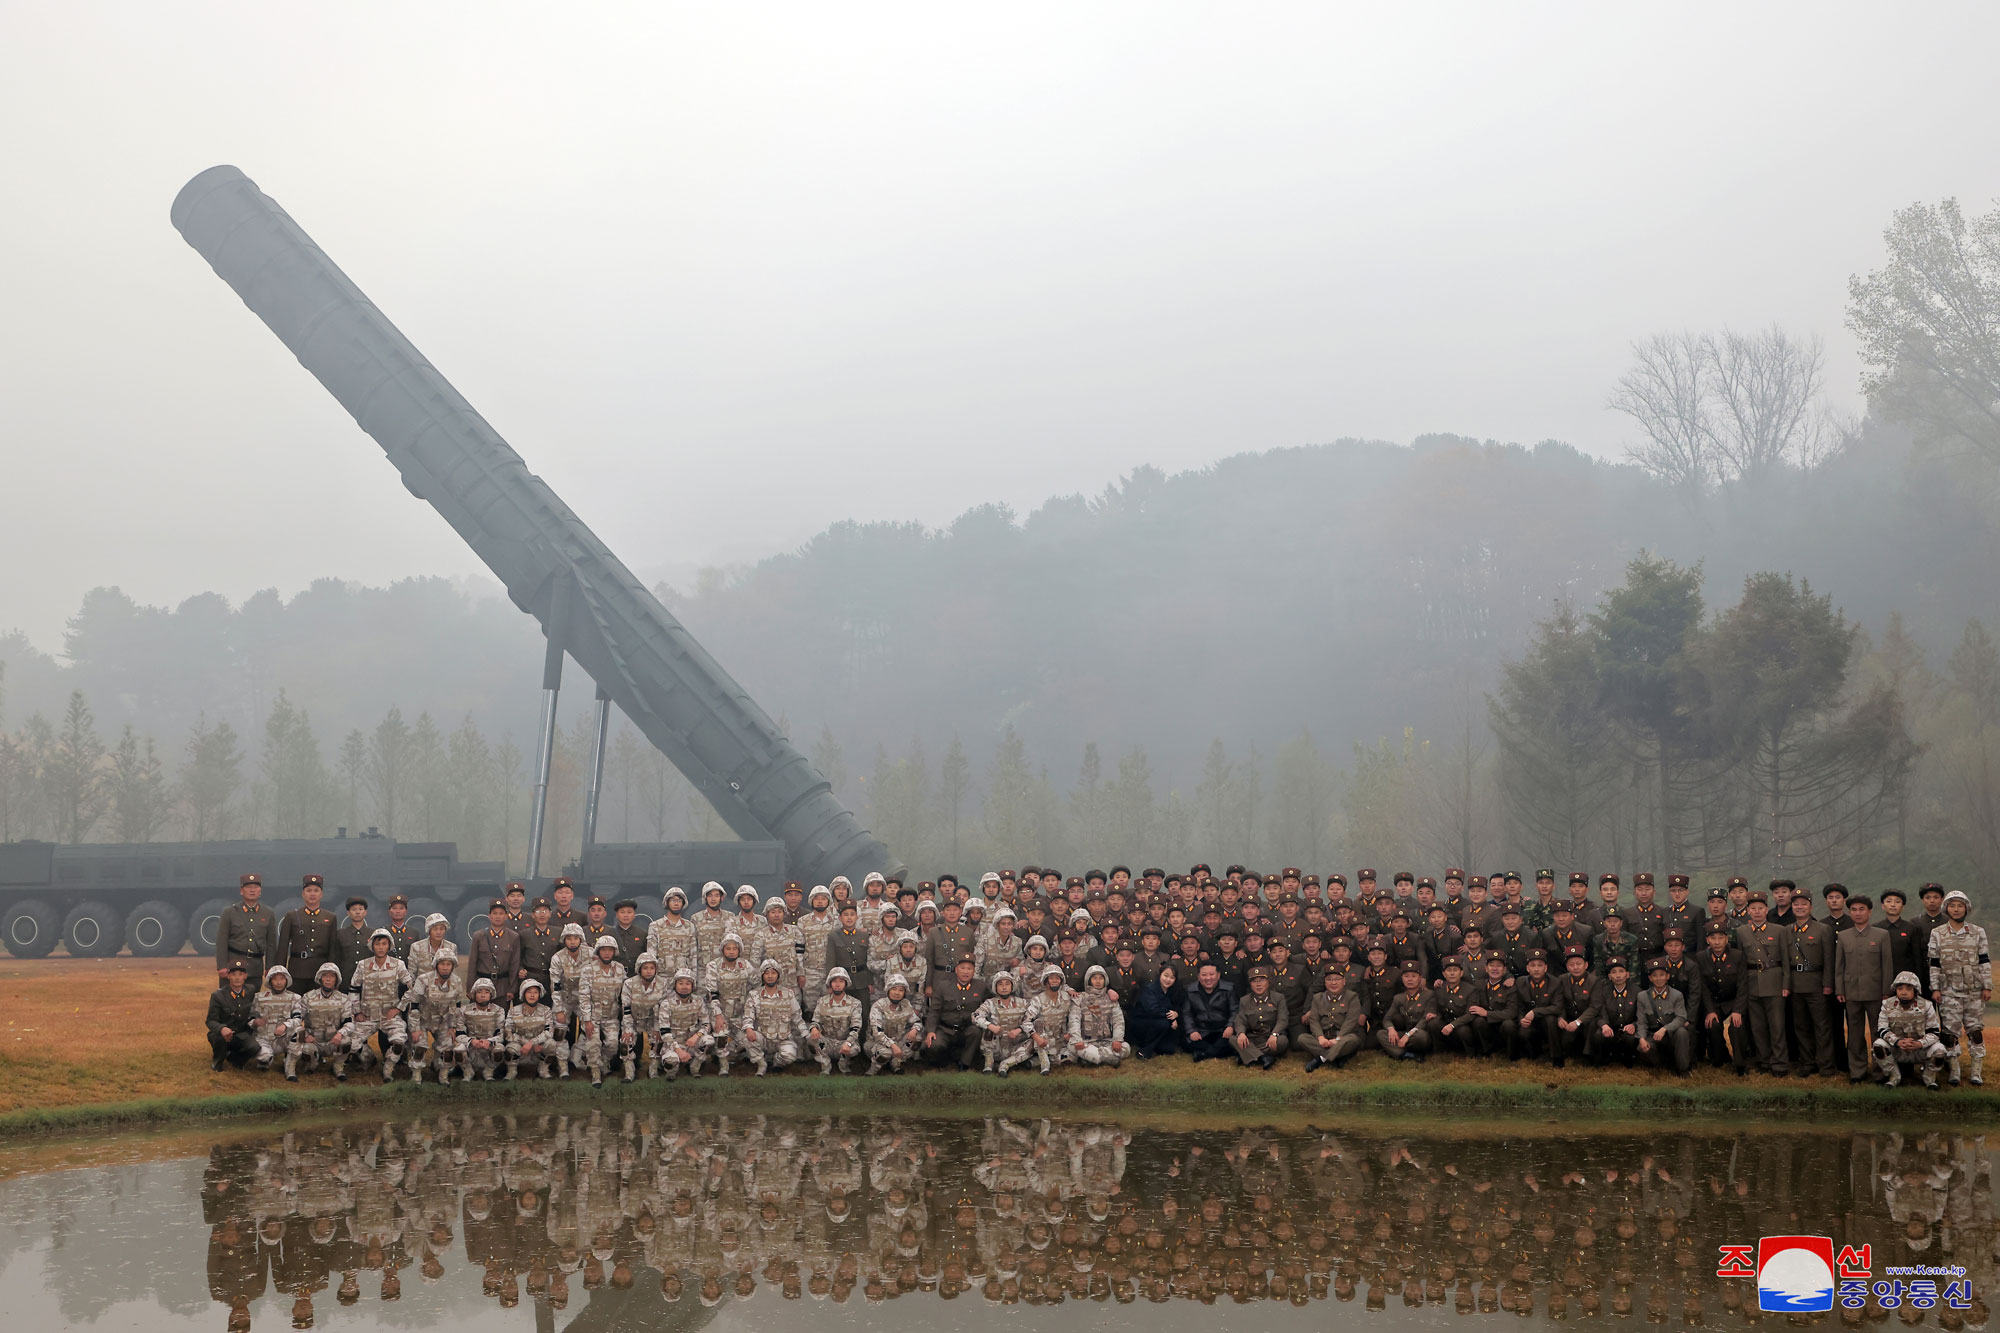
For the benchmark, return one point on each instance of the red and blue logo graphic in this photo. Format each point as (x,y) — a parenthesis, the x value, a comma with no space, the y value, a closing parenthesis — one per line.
(1794,1274)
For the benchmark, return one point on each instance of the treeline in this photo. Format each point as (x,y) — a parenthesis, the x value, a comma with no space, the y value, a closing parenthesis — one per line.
(1644,732)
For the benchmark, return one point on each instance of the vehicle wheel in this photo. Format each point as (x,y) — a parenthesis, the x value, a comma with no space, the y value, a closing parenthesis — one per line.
(471,920)
(93,930)
(155,930)
(30,928)
(203,922)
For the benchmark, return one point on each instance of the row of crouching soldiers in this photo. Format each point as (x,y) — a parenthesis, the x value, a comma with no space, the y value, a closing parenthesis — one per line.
(421,1014)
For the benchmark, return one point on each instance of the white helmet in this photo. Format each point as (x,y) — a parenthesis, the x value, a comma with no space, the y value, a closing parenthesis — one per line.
(673,893)
(572,929)
(747,891)
(483,984)
(840,972)
(1908,979)
(1958,894)
(280,970)
(436,919)
(325,968)
(647,957)
(604,942)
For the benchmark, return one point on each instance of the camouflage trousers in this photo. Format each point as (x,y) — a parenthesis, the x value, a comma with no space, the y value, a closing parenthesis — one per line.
(1102,1051)
(769,1051)
(1004,1053)
(1960,1008)
(275,1045)
(698,1046)
(481,1062)
(357,1032)
(535,1051)
(430,1046)
(596,1049)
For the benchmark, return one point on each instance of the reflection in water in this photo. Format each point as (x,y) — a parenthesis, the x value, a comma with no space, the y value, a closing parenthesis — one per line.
(685,1211)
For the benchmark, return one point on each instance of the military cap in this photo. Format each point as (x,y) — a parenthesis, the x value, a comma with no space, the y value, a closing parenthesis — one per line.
(1476,882)
(1897,894)
(541,905)
(1090,875)
(1254,933)
(1673,933)
(1677,881)
(1573,951)
(1399,915)
(398,900)
(1148,873)
(1833,888)
(1932,887)
(1376,946)
(1542,954)
(1200,868)
(1563,905)
(1235,870)
(1454,873)
(356,902)
(1545,874)
(516,886)
(595,901)
(1404,877)
(1260,971)
(1073,882)
(1426,883)
(1412,969)
(238,965)
(1759,896)
(624,903)
(1150,929)
(1252,877)
(1643,877)
(1716,928)
(1335,877)
(1578,877)
(1126,946)
(310,880)
(1227,932)
(1713,894)
(1340,942)
(1289,872)
(1618,963)
(1364,873)
(791,884)
(1513,877)
(1657,965)
(497,905)
(1453,960)
(1510,909)
(1606,878)
(1738,882)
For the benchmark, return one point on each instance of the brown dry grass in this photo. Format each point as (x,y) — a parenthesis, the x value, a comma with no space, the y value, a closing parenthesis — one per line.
(83,1030)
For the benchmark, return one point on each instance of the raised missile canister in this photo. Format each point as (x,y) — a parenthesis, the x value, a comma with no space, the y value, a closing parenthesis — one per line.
(554,567)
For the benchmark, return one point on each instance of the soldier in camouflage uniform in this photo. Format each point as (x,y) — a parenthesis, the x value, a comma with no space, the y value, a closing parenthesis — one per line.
(778,941)
(1097,1022)
(673,939)
(883,938)
(998,948)
(1006,1036)
(815,927)
(565,972)
(1907,1033)
(327,1010)
(711,923)
(1961,984)
(835,1031)
(1048,1018)
(424,952)
(378,984)
(687,1018)
(639,1019)
(731,979)
(894,1026)
(432,1004)
(531,1031)
(772,1026)
(599,1009)
(276,1016)
(482,1039)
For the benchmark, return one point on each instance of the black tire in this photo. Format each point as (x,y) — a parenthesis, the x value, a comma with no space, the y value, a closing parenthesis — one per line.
(471,918)
(202,923)
(93,929)
(155,929)
(30,928)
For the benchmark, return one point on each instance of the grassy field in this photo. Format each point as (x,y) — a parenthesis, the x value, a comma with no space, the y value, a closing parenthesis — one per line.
(120,1041)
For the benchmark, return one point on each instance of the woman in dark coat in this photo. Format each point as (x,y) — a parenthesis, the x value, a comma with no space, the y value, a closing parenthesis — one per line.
(1154,1028)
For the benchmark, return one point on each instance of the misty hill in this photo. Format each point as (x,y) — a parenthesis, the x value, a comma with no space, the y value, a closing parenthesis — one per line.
(1351,589)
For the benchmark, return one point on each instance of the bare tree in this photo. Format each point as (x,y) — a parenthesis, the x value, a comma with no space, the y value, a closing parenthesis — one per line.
(1765,400)
(1667,392)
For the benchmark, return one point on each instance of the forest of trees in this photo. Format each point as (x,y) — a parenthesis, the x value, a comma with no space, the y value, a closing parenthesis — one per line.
(1760,641)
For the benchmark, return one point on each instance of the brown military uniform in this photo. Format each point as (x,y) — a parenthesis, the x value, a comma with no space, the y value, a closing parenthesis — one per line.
(1763,992)
(250,934)
(305,939)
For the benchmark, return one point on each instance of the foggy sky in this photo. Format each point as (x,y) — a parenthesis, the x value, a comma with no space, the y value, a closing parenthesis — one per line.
(726,274)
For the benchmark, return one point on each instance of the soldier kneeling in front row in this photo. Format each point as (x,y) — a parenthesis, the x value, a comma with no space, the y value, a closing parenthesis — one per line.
(1907,1034)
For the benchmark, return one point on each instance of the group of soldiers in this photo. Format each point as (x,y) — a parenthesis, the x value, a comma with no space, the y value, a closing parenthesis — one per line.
(643,1212)
(1032,969)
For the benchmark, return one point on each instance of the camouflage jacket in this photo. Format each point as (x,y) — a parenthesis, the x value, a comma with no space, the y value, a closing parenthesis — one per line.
(277,1013)
(529,1022)
(378,986)
(838,1017)
(642,1002)
(435,1002)
(1958,958)
(325,1012)
(600,993)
